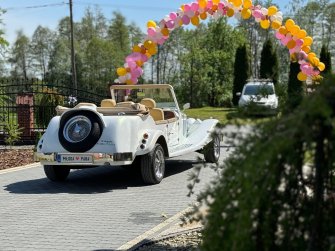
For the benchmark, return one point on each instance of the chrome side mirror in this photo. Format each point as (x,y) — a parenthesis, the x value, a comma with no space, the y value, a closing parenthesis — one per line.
(238,94)
(186,106)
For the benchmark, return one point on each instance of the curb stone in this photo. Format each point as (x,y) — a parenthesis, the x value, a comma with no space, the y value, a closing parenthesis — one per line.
(19,168)
(154,232)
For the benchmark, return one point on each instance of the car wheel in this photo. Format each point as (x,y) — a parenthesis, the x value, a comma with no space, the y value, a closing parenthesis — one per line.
(56,173)
(80,131)
(212,150)
(153,165)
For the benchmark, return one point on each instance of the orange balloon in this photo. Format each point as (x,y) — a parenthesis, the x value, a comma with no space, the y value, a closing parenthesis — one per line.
(136,48)
(165,32)
(202,4)
(230,12)
(216,1)
(203,15)
(148,44)
(195,20)
(283,30)
(321,66)
(295,29)
(291,44)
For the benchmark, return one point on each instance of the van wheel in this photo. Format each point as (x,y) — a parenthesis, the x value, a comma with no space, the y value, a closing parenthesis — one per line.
(56,173)
(212,150)
(153,166)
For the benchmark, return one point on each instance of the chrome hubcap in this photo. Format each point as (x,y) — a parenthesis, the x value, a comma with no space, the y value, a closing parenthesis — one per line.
(159,163)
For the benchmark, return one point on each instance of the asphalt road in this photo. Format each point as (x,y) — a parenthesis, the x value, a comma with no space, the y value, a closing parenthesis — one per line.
(95,209)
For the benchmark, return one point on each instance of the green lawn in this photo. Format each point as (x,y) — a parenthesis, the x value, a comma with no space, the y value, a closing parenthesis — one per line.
(224,115)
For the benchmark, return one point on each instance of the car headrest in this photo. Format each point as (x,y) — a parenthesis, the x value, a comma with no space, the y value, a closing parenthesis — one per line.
(108,103)
(148,102)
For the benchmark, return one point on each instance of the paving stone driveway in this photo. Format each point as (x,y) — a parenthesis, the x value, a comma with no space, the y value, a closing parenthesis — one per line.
(96,209)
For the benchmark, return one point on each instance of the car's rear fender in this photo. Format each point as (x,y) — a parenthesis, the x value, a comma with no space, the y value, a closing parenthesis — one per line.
(154,136)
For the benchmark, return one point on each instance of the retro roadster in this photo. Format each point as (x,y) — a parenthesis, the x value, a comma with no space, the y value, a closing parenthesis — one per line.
(140,126)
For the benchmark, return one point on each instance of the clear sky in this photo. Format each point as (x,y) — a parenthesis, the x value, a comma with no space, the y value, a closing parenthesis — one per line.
(28,14)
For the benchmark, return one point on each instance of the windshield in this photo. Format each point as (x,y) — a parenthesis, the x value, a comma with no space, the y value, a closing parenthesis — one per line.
(162,96)
(259,90)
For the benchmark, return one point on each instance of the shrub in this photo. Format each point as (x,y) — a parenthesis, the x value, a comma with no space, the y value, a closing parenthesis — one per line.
(269,195)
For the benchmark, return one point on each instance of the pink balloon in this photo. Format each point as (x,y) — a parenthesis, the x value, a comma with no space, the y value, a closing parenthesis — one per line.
(144,58)
(132,65)
(209,4)
(173,15)
(194,6)
(257,14)
(190,13)
(279,35)
(187,7)
(151,31)
(220,6)
(170,24)
(299,42)
(134,80)
(186,20)
(161,41)
(302,55)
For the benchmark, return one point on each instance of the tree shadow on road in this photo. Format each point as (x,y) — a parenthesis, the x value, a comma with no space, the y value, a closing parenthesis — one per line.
(94,180)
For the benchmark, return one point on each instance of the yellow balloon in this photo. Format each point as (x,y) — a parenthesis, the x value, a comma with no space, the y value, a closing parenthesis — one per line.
(165,32)
(311,56)
(306,49)
(272,10)
(237,3)
(129,82)
(276,25)
(302,34)
(308,41)
(265,24)
(230,12)
(202,3)
(291,44)
(321,66)
(121,71)
(195,20)
(216,1)
(151,24)
(289,24)
(136,48)
(247,4)
(315,62)
(246,13)
(302,76)
(203,15)
(295,29)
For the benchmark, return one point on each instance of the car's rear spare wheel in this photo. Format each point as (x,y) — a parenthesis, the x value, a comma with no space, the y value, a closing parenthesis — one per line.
(212,150)
(80,131)
(153,165)
(56,173)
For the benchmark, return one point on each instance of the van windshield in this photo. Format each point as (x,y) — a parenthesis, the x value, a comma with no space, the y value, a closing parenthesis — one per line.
(259,90)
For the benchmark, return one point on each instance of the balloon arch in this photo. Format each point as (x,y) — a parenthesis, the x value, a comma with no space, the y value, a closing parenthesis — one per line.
(290,35)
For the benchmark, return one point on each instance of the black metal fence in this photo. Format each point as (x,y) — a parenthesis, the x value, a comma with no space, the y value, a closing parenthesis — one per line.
(30,104)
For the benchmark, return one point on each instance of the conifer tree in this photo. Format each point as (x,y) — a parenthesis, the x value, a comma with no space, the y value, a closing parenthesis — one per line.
(241,71)
(294,88)
(269,62)
(325,57)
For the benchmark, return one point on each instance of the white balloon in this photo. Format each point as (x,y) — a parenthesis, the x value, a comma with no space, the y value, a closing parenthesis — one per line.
(128,76)
(238,15)
(117,81)
(264,11)
(258,20)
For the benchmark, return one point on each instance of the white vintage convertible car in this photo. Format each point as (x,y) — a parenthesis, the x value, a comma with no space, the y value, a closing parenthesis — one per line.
(141,133)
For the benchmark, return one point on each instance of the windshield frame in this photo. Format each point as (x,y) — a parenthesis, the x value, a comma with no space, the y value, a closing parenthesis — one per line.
(169,88)
(257,89)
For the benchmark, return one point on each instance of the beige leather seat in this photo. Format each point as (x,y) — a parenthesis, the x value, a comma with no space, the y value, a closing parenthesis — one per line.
(108,103)
(156,113)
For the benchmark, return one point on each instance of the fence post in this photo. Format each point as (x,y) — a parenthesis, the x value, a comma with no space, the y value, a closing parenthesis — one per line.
(25,114)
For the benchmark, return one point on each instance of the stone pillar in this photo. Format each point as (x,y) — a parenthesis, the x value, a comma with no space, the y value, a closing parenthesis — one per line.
(25,113)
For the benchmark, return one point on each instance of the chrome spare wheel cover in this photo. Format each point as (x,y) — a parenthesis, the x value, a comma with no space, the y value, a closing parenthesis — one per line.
(159,163)
(77,129)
